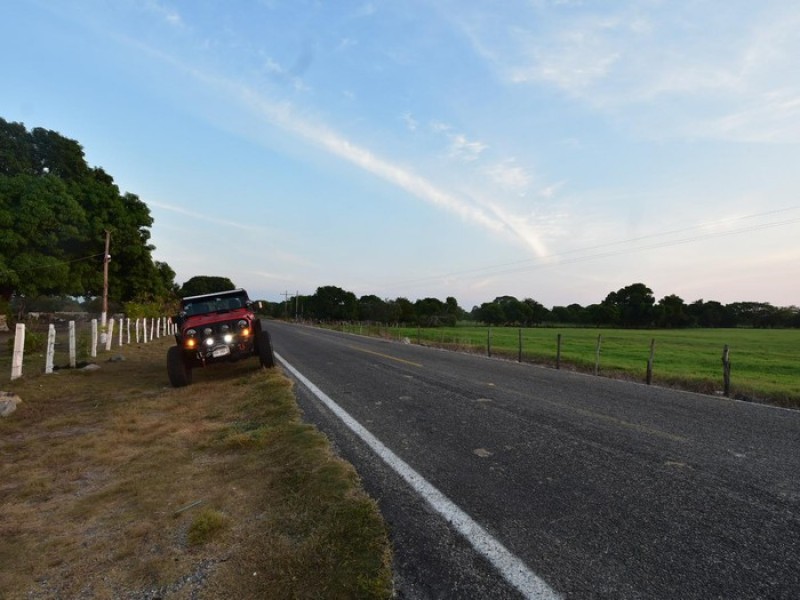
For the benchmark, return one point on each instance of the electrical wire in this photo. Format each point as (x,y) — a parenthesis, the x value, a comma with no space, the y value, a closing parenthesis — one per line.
(559,258)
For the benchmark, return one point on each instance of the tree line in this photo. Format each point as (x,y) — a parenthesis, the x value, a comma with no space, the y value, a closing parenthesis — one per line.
(633,306)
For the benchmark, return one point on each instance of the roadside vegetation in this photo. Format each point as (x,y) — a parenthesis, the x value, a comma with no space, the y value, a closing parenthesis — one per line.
(765,363)
(114,485)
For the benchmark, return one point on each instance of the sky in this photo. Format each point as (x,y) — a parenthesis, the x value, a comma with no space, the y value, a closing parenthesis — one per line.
(549,149)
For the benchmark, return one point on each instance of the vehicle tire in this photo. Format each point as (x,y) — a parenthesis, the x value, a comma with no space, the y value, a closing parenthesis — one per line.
(265,355)
(178,368)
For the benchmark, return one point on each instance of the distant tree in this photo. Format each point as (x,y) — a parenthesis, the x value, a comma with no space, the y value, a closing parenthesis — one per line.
(536,311)
(710,314)
(671,312)
(205,284)
(374,309)
(634,304)
(600,315)
(452,308)
(491,313)
(572,314)
(432,312)
(331,303)
(408,315)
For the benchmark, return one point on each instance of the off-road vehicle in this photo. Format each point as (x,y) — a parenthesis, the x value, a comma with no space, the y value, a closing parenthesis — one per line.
(215,328)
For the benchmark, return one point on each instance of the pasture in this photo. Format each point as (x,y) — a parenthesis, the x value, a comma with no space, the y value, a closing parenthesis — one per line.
(765,363)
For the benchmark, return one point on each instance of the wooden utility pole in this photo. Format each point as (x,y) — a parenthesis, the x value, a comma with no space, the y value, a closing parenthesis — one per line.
(106,260)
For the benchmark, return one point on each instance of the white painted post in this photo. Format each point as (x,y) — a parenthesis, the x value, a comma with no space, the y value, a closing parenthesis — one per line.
(152,328)
(73,362)
(51,348)
(144,328)
(93,348)
(128,323)
(19,351)
(137,331)
(158,327)
(121,329)
(110,336)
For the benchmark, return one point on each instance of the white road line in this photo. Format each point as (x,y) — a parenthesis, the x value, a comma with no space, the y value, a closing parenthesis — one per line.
(512,568)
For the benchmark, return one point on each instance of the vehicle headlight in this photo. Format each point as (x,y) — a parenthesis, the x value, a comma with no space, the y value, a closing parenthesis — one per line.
(242,324)
(209,341)
(191,332)
(207,331)
(224,328)
(228,338)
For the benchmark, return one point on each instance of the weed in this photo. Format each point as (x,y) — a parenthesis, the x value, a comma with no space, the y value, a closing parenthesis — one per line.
(206,525)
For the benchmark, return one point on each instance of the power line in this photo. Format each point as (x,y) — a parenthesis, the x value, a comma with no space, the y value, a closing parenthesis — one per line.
(549,260)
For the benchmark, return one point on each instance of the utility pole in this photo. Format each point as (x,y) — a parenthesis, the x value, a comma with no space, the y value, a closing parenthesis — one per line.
(286,304)
(106,260)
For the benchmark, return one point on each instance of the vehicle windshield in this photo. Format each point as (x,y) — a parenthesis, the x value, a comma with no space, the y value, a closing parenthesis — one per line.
(212,304)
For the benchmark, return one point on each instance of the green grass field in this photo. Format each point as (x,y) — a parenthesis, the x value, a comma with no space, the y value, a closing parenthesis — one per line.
(765,364)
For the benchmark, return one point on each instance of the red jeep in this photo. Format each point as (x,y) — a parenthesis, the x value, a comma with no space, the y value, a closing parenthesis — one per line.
(215,328)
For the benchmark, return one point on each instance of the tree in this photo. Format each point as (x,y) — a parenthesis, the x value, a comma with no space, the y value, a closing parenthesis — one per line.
(671,312)
(40,224)
(710,314)
(538,313)
(205,284)
(634,304)
(54,214)
(331,303)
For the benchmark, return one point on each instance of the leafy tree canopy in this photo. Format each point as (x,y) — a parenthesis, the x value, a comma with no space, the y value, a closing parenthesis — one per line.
(55,211)
(205,284)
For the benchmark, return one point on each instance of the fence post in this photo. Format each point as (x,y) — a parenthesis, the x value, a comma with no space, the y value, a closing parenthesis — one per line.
(93,347)
(73,360)
(128,323)
(110,335)
(726,370)
(121,327)
(144,329)
(558,351)
(650,361)
(137,330)
(19,351)
(152,328)
(51,348)
(597,355)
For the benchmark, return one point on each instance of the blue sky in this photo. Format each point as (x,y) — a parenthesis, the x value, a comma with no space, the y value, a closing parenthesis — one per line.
(551,149)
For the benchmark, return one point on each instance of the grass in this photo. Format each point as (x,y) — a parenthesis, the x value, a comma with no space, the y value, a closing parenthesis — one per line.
(765,362)
(113,484)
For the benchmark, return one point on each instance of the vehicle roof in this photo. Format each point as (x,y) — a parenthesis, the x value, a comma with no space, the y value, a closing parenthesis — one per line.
(236,292)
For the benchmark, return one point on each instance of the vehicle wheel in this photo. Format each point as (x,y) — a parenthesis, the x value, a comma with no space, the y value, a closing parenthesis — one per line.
(265,350)
(178,369)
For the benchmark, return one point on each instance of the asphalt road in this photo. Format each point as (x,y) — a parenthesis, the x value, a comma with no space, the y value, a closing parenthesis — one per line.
(599,488)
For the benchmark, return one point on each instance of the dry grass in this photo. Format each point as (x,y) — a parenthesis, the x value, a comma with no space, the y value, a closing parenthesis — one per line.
(114,485)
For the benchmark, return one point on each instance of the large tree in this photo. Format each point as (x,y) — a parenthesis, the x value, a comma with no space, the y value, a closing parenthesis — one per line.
(55,212)
(634,305)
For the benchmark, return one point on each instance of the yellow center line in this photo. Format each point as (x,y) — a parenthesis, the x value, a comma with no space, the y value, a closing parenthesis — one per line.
(629,425)
(394,358)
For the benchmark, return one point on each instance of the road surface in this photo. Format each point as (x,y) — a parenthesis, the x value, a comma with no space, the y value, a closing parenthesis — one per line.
(571,485)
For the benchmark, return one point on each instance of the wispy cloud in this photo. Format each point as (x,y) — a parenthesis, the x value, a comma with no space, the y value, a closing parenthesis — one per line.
(464,149)
(167,14)
(194,214)
(725,74)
